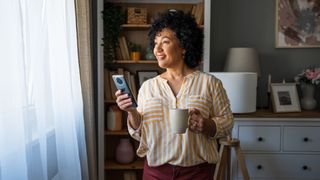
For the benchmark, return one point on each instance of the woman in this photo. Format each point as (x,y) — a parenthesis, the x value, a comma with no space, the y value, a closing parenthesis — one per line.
(177,43)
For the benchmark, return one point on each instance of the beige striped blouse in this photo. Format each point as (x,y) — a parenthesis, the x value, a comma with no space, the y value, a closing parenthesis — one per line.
(157,142)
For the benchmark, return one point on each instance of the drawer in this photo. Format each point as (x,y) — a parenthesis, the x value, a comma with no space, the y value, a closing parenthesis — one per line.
(260,138)
(301,138)
(276,166)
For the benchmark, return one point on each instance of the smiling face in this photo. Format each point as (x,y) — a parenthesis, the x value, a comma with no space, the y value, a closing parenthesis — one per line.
(167,49)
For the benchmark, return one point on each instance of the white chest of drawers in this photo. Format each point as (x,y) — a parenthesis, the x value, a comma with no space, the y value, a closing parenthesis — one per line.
(278,146)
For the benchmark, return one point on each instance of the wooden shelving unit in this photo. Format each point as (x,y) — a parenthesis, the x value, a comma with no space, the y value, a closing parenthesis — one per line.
(132,62)
(136,26)
(112,165)
(141,26)
(122,132)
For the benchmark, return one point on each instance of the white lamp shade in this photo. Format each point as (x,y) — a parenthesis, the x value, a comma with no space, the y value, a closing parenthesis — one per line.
(242,60)
(241,89)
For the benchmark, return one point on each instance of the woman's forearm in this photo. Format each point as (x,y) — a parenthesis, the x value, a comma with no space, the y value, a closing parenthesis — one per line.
(134,119)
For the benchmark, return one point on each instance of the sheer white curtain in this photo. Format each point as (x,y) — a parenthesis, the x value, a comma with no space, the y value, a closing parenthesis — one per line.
(41,109)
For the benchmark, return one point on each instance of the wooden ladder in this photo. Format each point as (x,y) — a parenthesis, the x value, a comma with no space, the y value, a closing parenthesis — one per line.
(223,165)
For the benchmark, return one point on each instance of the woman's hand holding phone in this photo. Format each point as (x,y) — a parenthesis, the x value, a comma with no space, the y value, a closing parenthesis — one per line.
(122,85)
(124,102)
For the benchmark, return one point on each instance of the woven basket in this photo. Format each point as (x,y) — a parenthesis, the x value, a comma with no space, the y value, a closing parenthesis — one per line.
(137,15)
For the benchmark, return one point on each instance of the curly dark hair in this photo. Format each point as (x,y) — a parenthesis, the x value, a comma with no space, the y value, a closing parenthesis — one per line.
(186,30)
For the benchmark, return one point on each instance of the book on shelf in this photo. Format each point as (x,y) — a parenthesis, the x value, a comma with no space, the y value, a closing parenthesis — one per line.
(120,71)
(197,12)
(134,86)
(131,82)
(125,47)
(121,49)
(107,88)
(193,10)
(112,86)
(200,17)
(118,53)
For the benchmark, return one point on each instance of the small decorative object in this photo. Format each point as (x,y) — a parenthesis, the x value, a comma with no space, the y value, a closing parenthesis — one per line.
(135,55)
(114,119)
(124,151)
(145,75)
(297,23)
(137,15)
(308,79)
(285,97)
(269,91)
(149,54)
(135,51)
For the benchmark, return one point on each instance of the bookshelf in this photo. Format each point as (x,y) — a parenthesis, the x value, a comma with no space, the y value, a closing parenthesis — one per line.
(136,33)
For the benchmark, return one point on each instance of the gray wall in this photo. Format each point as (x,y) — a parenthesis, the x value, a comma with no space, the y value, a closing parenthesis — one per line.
(251,23)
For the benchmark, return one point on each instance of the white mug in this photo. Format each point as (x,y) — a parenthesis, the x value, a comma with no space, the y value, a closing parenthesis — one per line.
(178,120)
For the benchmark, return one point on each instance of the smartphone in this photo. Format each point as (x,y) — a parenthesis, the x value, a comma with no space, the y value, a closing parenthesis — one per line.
(122,85)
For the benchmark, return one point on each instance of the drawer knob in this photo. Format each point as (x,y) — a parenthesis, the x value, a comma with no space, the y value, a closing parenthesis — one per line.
(305,167)
(305,139)
(260,139)
(259,167)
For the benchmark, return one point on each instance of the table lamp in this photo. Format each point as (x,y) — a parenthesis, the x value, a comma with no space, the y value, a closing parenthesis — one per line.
(242,59)
(240,79)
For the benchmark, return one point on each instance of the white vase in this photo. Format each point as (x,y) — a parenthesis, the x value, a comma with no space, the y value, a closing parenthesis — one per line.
(308,101)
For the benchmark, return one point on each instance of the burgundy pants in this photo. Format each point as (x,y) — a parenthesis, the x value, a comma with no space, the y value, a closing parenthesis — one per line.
(169,172)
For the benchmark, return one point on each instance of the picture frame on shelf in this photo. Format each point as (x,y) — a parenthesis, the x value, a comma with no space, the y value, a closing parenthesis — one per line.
(145,75)
(285,97)
(296,24)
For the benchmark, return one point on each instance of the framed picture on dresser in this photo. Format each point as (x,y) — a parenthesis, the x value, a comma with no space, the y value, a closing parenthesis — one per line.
(285,97)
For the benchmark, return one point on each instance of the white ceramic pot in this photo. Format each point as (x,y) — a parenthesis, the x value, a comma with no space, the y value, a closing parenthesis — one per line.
(114,119)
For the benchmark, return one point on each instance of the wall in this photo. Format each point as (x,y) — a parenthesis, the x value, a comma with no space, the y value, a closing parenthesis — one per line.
(251,23)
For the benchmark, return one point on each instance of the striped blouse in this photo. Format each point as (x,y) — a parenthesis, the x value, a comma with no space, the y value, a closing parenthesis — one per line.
(157,142)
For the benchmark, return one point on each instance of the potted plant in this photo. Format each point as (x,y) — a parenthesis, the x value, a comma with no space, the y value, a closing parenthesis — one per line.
(135,51)
(113,17)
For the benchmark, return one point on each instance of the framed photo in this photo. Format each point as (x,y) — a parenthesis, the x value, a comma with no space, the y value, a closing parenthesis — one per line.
(297,24)
(285,97)
(144,75)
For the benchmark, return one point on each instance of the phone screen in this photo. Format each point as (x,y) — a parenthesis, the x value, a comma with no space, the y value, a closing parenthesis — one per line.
(122,85)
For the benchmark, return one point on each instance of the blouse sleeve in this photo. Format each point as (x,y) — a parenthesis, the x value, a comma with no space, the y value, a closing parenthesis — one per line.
(136,133)
(223,116)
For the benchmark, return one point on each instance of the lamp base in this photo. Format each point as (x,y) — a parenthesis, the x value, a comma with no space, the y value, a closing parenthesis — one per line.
(241,89)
